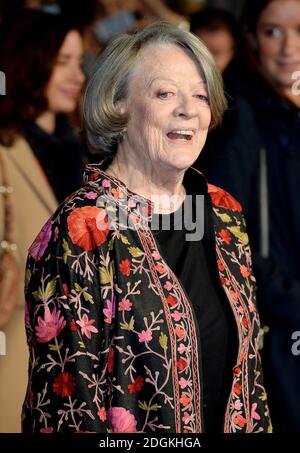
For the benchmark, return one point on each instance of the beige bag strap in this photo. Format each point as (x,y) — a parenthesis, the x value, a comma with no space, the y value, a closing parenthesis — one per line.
(7,242)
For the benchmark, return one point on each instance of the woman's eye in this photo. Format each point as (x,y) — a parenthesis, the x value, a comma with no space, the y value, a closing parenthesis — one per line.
(165,95)
(202,97)
(273,32)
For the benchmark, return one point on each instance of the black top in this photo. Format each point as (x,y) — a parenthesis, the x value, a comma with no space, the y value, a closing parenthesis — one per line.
(194,263)
(60,155)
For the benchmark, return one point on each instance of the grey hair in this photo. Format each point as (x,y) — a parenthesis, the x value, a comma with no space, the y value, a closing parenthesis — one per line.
(110,80)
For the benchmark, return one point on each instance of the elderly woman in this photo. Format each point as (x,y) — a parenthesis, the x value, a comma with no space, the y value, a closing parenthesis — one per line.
(132,327)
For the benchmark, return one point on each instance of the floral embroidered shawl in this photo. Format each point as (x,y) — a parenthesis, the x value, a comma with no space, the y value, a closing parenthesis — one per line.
(112,336)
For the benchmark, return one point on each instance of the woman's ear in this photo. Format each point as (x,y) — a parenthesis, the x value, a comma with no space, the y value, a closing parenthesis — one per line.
(121,107)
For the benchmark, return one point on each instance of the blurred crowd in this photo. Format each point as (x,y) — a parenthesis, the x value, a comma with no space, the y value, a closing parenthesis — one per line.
(47,51)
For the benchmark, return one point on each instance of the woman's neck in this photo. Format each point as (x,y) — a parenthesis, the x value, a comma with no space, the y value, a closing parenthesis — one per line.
(47,121)
(166,192)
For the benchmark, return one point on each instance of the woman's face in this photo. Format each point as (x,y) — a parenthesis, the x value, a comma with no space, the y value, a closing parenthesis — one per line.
(64,87)
(169,112)
(278,39)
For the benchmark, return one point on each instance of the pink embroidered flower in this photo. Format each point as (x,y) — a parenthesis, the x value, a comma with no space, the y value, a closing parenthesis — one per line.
(38,247)
(121,420)
(109,311)
(254,414)
(46,430)
(156,255)
(125,305)
(55,233)
(181,349)
(91,195)
(251,307)
(86,325)
(49,327)
(106,183)
(186,418)
(145,336)
(168,286)
(176,316)
(183,383)
(238,405)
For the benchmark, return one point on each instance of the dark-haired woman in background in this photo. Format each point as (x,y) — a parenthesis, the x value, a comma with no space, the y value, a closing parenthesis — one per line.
(41,156)
(260,164)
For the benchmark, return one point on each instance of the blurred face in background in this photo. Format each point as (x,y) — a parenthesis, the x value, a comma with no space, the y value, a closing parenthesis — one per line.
(278,41)
(65,84)
(220,43)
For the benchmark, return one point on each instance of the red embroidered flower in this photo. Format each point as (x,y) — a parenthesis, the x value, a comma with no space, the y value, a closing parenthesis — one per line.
(237,371)
(171,300)
(245,322)
(237,388)
(234,295)
(64,384)
(224,281)
(181,364)
(102,414)
(136,386)
(244,271)
(160,268)
(223,199)
(180,332)
(185,400)
(110,360)
(220,265)
(73,325)
(65,289)
(124,267)
(239,420)
(88,227)
(226,236)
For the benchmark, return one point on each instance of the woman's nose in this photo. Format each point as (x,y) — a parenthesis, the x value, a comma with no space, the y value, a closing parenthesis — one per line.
(186,108)
(290,43)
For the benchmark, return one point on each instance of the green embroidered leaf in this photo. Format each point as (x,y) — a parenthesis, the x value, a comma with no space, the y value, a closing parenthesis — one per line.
(128,326)
(65,258)
(88,297)
(131,323)
(154,407)
(55,347)
(50,288)
(81,344)
(163,340)
(124,239)
(111,244)
(135,252)
(104,276)
(263,396)
(236,231)
(27,276)
(143,405)
(225,217)
(66,246)
(38,295)
(77,287)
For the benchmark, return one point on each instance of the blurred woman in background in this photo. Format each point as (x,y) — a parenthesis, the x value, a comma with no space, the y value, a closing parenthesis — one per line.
(41,160)
(259,163)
